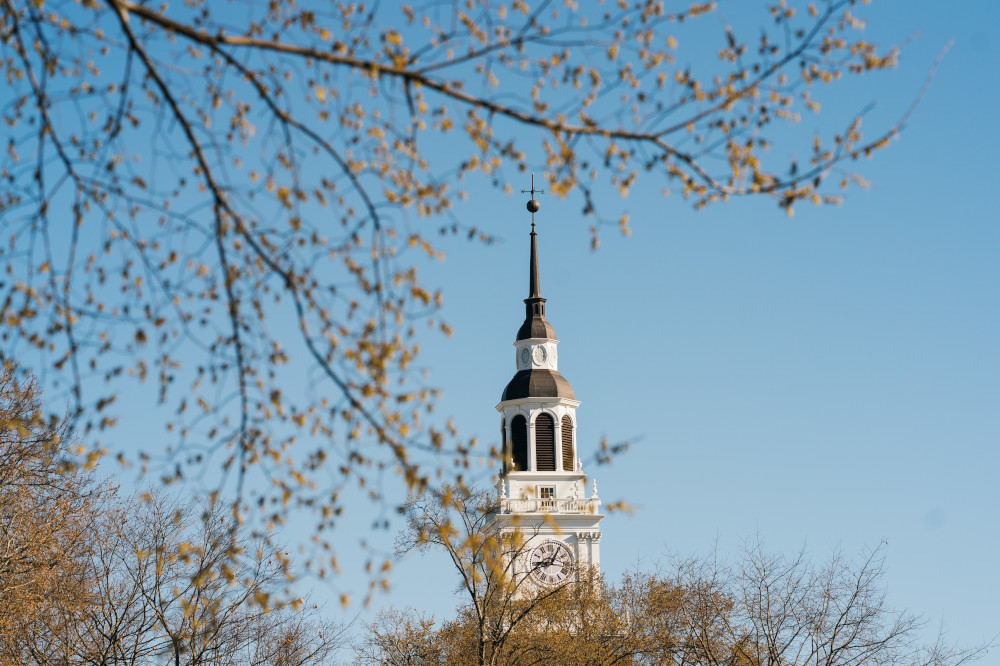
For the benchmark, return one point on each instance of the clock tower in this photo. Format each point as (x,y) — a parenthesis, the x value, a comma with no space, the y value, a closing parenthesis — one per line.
(543,489)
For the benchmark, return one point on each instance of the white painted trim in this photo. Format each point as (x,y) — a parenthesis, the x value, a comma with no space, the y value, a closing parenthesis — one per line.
(527,340)
(538,412)
(504,404)
(524,475)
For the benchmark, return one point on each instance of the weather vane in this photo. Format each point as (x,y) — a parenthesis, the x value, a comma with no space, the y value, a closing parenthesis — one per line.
(533,205)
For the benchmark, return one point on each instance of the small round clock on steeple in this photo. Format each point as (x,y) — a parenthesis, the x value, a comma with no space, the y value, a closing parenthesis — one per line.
(543,487)
(534,356)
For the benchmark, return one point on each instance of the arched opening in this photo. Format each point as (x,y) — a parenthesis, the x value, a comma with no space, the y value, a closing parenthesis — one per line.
(519,450)
(545,443)
(568,459)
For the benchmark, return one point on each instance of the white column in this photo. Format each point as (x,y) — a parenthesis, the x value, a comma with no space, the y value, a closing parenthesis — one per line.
(532,463)
(558,434)
(579,553)
(507,438)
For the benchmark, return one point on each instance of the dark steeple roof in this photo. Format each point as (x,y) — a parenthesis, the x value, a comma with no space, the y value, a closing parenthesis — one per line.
(535,325)
(538,383)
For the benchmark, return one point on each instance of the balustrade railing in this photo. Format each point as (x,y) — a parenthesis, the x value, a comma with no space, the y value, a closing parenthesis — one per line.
(534,505)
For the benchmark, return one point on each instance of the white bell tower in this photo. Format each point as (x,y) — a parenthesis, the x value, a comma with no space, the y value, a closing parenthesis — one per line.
(543,489)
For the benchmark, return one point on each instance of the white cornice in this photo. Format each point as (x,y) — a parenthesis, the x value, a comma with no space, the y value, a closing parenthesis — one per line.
(545,476)
(537,401)
(544,518)
(535,340)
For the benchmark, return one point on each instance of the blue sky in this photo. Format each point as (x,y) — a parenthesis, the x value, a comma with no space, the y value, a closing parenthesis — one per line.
(829,380)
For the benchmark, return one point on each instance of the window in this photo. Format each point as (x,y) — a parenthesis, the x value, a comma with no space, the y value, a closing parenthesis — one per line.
(568,459)
(545,443)
(547,496)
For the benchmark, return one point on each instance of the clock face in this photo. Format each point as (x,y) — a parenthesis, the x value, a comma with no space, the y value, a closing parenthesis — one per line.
(539,355)
(551,562)
(525,356)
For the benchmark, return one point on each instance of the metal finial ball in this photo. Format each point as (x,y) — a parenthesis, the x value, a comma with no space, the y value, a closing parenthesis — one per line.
(533,206)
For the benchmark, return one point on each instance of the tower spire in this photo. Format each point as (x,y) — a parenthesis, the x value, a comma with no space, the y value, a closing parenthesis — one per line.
(535,325)
(534,286)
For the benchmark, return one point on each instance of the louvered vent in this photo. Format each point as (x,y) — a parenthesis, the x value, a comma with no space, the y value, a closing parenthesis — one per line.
(519,452)
(545,443)
(567,445)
